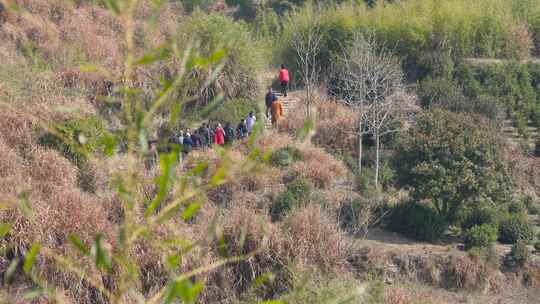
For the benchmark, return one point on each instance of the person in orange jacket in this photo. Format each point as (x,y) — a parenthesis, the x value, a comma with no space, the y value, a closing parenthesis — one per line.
(277,111)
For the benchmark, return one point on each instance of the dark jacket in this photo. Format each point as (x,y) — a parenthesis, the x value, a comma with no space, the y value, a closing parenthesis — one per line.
(229,134)
(206,136)
(270,98)
(187,144)
(197,140)
(242,130)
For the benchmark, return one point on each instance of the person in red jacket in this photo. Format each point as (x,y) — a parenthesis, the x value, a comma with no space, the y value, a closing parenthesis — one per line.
(284,79)
(219,136)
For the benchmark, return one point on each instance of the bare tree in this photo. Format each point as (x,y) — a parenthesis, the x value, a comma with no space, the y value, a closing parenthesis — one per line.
(370,79)
(306,44)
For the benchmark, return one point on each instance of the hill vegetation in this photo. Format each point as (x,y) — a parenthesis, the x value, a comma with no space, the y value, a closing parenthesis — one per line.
(395,184)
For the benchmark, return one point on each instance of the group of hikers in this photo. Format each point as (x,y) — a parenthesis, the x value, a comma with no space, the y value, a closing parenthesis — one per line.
(273,104)
(207,135)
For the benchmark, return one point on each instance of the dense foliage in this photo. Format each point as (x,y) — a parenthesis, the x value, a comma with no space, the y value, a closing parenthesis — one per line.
(449,161)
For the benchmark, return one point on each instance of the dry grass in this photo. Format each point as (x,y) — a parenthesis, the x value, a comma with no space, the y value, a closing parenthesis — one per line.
(525,170)
(400,295)
(320,167)
(336,128)
(313,239)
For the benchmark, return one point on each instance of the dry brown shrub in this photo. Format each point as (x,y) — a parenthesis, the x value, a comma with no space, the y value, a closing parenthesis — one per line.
(520,42)
(273,142)
(49,170)
(320,167)
(16,128)
(244,231)
(398,295)
(312,238)
(525,170)
(95,84)
(296,117)
(11,172)
(471,274)
(336,128)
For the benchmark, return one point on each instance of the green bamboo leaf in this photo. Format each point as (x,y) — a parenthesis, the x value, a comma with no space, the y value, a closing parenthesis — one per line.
(189,291)
(78,243)
(264,278)
(217,56)
(154,55)
(11,269)
(101,258)
(199,169)
(306,128)
(24,205)
(191,210)
(166,163)
(174,260)
(88,68)
(219,177)
(113,6)
(31,258)
(33,294)
(5,228)
(184,290)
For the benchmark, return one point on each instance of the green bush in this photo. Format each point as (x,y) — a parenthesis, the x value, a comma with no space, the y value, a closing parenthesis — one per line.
(477,216)
(285,156)
(442,93)
(517,207)
(520,122)
(514,228)
(535,115)
(298,192)
(518,256)
(363,212)
(481,236)
(452,160)
(533,206)
(232,111)
(417,221)
(242,61)
(537,246)
(76,138)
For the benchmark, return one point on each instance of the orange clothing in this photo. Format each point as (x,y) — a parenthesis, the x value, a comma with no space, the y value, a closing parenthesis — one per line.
(277,111)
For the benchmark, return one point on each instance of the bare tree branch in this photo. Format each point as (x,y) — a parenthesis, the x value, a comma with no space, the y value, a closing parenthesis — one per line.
(371,81)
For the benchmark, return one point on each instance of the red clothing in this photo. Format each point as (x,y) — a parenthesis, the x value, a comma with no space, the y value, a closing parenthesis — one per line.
(283,75)
(219,136)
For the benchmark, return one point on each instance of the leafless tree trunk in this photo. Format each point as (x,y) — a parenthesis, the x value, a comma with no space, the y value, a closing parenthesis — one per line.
(360,146)
(306,44)
(372,82)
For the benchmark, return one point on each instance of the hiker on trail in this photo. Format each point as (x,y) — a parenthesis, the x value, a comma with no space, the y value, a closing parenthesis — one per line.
(284,79)
(269,99)
(197,140)
(219,135)
(187,144)
(277,111)
(181,137)
(250,122)
(205,135)
(242,130)
(229,134)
